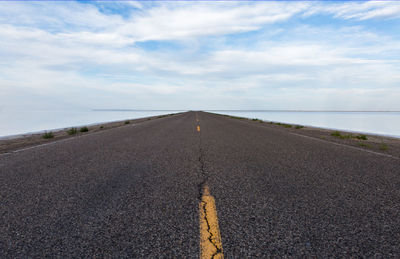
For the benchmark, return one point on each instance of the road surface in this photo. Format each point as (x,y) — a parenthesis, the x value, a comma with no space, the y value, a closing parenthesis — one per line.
(140,191)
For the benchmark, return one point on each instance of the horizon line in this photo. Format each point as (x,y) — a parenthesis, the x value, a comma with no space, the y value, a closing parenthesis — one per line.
(248,110)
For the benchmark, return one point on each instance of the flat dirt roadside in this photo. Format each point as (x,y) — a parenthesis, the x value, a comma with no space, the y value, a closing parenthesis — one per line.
(22,141)
(375,143)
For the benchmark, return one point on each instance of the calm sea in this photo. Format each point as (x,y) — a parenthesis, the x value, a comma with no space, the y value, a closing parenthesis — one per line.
(20,122)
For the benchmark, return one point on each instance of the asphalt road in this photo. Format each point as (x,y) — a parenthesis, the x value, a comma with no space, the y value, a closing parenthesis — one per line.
(134,191)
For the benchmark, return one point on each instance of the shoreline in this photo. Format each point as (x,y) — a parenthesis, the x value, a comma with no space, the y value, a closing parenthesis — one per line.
(383,144)
(341,130)
(333,128)
(56,130)
(13,143)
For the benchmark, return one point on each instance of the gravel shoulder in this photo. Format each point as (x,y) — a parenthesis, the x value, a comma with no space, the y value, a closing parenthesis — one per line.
(13,143)
(376,143)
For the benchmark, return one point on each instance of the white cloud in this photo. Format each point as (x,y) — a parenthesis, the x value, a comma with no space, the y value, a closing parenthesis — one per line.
(163,22)
(63,49)
(358,10)
(57,16)
(184,20)
(136,4)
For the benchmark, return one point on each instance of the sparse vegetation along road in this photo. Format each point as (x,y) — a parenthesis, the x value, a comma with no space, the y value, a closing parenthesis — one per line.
(144,189)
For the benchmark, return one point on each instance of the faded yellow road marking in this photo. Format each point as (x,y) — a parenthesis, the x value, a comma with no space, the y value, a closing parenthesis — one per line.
(210,237)
(198,128)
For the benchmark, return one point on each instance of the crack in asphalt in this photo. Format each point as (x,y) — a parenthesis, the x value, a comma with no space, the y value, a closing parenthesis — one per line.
(211,237)
(204,176)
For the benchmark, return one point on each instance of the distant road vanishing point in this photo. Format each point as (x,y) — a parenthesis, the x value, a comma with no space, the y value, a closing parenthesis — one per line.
(196,185)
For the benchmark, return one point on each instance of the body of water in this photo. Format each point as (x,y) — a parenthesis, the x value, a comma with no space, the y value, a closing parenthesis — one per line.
(21,122)
(381,123)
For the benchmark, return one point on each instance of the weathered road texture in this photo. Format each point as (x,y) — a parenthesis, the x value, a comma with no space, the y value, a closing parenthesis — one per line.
(135,191)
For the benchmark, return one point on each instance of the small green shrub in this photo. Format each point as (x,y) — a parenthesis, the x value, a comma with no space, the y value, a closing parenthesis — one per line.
(339,135)
(72,131)
(363,145)
(48,135)
(299,127)
(127,122)
(101,127)
(362,137)
(383,146)
(84,129)
(284,125)
(235,117)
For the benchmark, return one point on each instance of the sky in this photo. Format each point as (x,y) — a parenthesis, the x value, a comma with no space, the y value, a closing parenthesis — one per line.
(311,55)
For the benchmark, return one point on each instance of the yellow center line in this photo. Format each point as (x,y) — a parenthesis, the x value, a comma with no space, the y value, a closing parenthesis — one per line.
(210,237)
(198,128)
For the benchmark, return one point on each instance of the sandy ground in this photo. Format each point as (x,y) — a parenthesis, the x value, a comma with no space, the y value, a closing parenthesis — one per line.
(375,143)
(15,143)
